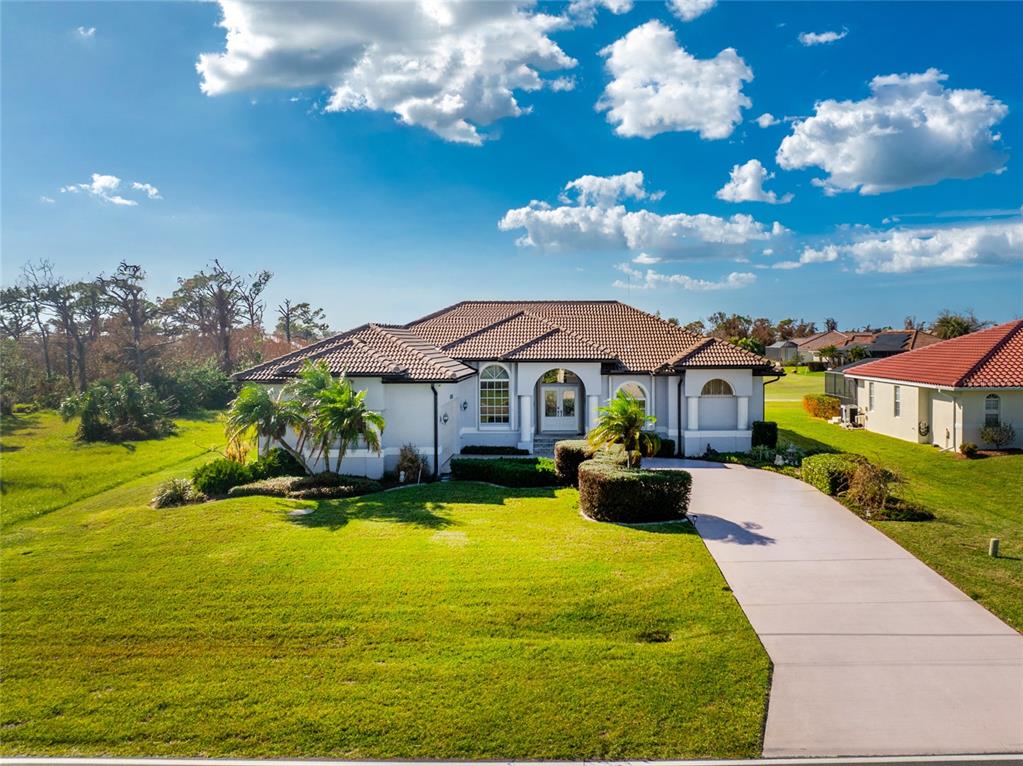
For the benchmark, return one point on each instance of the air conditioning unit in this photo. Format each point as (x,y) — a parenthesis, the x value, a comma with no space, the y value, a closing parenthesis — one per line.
(849,413)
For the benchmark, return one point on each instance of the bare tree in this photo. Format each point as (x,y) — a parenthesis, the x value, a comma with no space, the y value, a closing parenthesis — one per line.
(830,324)
(300,320)
(36,280)
(77,309)
(254,305)
(15,313)
(125,292)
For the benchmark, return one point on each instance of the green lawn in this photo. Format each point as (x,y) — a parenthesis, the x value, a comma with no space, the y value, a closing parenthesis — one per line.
(447,621)
(43,468)
(794,385)
(974,500)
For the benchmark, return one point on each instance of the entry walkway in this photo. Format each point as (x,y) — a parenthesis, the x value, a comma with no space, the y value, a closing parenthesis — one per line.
(874,653)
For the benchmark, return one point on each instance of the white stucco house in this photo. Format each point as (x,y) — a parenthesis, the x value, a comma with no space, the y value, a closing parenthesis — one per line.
(527,373)
(944,394)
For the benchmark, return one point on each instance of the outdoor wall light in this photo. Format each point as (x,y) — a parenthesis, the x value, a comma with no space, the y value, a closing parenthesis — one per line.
(465,405)
(444,418)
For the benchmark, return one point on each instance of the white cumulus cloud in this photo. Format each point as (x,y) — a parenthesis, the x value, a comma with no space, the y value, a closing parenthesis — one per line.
(593,216)
(905,250)
(821,38)
(46,200)
(767,119)
(85,32)
(746,184)
(151,191)
(657,87)
(650,279)
(107,188)
(911,131)
(687,10)
(449,67)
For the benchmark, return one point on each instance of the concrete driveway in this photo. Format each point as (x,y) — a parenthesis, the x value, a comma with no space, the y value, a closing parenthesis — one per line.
(874,653)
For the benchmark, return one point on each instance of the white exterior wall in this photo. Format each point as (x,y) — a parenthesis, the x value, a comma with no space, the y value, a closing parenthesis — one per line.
(953,416)
(882,418)
(407,409)
(747,401)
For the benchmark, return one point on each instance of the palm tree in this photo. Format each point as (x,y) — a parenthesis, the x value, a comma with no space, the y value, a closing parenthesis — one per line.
(622,422)
(340,417)
(257,414)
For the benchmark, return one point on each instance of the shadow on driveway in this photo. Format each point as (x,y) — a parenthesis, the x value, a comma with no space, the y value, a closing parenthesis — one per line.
(716,528)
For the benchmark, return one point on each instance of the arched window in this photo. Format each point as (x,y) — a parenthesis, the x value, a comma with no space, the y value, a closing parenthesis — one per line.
(717,387)
(992,410)
(495,396)
(637,392)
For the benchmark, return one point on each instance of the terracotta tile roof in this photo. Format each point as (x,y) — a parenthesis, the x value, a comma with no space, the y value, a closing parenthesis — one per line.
(821,339)
(638,341)
(370,350)
(991,358)
(716,353)
(434,348)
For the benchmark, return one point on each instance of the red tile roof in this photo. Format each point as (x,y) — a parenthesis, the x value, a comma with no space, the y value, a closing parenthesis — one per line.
(434,347)
(991,358)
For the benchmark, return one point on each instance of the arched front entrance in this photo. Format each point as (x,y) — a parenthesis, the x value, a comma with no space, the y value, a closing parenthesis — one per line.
(561,402)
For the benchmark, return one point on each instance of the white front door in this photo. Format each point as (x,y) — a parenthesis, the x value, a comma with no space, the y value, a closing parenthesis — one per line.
(559,408)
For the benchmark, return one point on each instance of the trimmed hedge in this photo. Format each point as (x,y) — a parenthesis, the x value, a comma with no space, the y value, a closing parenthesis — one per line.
(831,474)
(822,405)
(765,434)
(513,472)
(609,492)
(218,476)
(568,455)
(318,487)
(486,449)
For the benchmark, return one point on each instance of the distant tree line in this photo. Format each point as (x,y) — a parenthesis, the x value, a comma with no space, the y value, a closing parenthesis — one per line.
(58,335)
(756,334)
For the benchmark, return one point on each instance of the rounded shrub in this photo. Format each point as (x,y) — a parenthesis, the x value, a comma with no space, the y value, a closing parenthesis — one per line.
(568,455)
(968,449)
(218,476)
(822,405)
(831,473)
(609,492)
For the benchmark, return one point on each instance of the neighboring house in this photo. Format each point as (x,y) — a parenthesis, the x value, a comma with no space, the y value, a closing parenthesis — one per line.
(525,373)
(783,351)
(887,343)
(945,393)
(810,346)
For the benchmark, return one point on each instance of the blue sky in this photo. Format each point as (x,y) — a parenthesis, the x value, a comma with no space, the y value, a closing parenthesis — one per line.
(391,208)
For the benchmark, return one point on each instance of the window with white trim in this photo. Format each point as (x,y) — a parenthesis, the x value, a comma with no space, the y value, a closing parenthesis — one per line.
(637,392)
(870,396)
(897,402)
(495,395)
(717,387)
(992,410)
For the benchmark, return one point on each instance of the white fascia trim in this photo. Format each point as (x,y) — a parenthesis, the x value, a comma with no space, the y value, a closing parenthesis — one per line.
(935,386)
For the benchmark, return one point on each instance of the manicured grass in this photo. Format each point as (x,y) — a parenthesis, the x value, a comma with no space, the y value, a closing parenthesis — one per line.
(974,500)
(44,468)
(454,620)
(794,385)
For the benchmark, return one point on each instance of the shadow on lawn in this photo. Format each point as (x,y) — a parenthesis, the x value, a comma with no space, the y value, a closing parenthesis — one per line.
(426,506)
(335,514)
(788,436)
